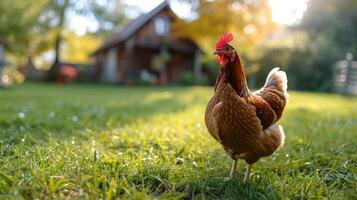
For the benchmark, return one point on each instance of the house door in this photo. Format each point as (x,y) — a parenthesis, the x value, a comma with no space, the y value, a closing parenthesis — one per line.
(110,71)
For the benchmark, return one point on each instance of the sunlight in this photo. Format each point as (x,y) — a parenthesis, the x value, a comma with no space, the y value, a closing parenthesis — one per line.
(287,12)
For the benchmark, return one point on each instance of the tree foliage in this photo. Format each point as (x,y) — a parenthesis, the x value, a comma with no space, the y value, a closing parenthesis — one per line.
(250,20)
(109,14)
(77,49)
(19,24)
(34,27)
(326,33)
(333,20)
(332,30)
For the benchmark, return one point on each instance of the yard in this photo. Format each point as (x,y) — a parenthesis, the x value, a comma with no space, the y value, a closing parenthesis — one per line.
(104,142)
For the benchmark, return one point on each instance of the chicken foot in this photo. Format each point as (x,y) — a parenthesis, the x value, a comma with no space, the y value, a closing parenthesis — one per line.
(248,172)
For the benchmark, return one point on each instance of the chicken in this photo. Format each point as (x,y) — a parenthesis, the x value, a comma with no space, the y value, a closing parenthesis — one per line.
(244,122)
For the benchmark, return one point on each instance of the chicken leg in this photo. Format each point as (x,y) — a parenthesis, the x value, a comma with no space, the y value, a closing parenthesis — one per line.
(248,172)
(234,168)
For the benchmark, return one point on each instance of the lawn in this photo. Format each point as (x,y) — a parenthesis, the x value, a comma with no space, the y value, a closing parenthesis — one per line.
(106,142)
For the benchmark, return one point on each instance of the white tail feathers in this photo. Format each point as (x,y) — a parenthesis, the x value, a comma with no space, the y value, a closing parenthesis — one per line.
(271,139)
(276,135)
(277,79)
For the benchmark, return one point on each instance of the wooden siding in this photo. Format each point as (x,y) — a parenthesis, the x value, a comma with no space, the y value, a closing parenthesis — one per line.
(137,51)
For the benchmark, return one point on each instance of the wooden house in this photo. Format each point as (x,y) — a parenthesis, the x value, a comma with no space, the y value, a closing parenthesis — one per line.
(147,50)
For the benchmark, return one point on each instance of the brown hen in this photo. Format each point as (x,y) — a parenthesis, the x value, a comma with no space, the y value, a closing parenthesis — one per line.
(244,123)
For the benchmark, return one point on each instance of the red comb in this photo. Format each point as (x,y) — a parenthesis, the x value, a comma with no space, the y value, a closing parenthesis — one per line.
(223,40)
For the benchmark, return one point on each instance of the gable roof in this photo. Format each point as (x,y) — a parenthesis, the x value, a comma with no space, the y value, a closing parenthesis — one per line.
(132,27)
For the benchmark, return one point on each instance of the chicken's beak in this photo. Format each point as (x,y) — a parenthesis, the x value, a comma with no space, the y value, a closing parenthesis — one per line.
(217,52)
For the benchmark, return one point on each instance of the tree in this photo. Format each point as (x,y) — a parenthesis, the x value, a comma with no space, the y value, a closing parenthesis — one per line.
(326,33)
(19,24)
(332,30)
(35,27)
(55,17)
(335,20)
(251,20)
(61,6)
(110,16)
(77,49)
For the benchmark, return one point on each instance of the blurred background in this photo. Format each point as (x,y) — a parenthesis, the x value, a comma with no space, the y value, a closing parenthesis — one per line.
(155,42)
(94,103)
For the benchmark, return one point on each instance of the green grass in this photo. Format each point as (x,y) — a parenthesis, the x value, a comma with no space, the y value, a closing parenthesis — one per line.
(102,142)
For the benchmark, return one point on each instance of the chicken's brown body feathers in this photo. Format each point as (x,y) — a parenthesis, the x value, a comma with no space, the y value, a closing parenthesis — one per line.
(263,110)
(244,122)
(275,98)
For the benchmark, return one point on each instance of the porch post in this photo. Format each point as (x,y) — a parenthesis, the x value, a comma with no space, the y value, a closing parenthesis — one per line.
(128,62)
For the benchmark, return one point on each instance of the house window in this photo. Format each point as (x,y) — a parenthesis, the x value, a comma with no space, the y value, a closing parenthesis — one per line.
(162,26)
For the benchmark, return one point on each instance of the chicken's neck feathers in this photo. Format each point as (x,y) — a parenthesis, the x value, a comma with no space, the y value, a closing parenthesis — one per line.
(233,73)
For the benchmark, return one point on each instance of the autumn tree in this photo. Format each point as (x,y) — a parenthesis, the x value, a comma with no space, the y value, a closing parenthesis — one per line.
(250,21)
(77,49)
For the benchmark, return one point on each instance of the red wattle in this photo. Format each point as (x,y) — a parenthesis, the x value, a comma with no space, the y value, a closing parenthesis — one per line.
(220,59)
